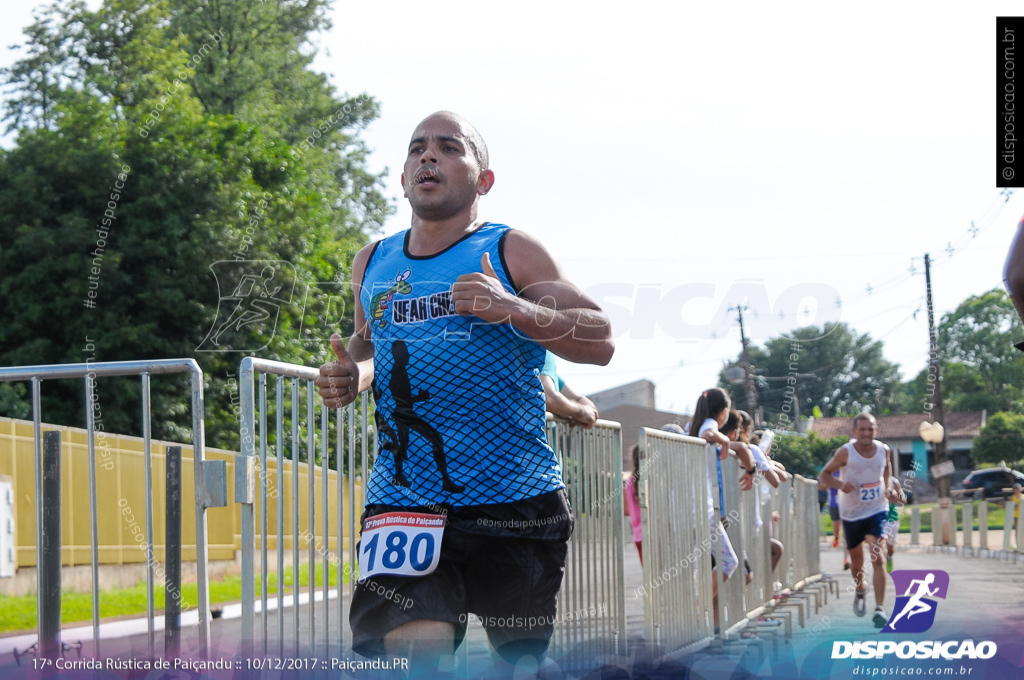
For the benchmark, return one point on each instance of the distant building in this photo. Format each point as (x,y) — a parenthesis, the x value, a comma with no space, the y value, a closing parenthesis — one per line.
(639,393)
(902,434)
(632,406)
(632,418)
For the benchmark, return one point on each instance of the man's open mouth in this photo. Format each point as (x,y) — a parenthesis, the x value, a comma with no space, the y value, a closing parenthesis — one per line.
(428,177)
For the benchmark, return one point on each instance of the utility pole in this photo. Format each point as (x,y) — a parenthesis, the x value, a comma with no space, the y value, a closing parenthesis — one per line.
(942,483)
(748,370)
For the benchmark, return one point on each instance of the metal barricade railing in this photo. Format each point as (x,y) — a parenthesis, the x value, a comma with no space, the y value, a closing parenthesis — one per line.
(677,540)
(591,602)
(806,550)
(210,486)
(782,502)
(757,504)
(731,602)
(303,525)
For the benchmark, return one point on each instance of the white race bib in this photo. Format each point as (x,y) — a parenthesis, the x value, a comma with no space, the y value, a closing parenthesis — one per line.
(400,544)
(870,492)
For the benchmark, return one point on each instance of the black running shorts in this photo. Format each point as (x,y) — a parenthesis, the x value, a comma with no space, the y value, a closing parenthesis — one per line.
(501,565)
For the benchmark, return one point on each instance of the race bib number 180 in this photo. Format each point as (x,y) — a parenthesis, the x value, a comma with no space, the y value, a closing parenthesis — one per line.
(400,544)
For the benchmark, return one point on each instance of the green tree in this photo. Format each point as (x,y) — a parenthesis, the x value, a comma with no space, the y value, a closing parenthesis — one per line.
(1002,439)
(980,367)
(805,455)
(833,368)
(213,163)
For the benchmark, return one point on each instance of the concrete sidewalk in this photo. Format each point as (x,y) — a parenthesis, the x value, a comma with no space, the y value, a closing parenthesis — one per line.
(986,601)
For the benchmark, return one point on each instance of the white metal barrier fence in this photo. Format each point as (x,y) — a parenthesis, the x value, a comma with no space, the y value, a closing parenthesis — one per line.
(677,540)
(591,601)
(782,502)
(727,498)
(805,549)
(210,491)
(254,437)
(756,505)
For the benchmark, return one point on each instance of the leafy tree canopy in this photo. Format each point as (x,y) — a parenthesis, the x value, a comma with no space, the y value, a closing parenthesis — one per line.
(156,139)
(805,455)
(1002,439)
(832,368)
(981,368)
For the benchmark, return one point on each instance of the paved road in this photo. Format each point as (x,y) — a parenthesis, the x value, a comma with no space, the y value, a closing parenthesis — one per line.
(985,602)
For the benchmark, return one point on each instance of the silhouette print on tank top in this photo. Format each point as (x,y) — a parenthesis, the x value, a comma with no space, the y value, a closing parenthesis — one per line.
(406,419)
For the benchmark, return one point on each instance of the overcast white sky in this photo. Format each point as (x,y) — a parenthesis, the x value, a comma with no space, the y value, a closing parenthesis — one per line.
(676,159)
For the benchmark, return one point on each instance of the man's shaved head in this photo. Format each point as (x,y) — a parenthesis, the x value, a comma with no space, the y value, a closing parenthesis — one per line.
(473,138)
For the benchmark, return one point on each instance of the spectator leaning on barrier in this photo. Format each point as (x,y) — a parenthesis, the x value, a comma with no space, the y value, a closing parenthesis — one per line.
(731,429)
(561,400)
(773,472)
(711,413)
(450,333)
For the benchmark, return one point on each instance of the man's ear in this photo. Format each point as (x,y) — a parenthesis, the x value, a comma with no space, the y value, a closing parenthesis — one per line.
(485,182)
(405,193)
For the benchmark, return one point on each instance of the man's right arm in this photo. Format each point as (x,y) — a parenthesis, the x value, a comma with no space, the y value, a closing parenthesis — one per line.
(351,372)
(837,461)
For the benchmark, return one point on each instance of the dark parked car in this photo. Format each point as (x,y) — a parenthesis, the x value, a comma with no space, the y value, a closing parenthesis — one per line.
(992,482)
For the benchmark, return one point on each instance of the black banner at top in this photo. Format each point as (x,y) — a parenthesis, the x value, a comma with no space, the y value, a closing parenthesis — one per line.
(1009,102)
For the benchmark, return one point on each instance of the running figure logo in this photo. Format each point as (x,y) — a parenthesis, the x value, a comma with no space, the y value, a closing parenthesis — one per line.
(914,611)
(251,294)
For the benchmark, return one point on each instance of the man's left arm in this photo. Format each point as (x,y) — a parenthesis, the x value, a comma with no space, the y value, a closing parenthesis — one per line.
(549,309)
(573,395)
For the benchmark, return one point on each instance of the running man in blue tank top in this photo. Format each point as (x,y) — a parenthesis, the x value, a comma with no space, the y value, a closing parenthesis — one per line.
(452,318)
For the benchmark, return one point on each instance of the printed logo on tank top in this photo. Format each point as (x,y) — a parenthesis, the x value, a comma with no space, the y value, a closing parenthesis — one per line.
(388,303)
(382,300)
(424,308)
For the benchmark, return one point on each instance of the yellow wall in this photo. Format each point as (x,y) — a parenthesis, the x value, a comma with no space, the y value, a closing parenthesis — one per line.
(120,492)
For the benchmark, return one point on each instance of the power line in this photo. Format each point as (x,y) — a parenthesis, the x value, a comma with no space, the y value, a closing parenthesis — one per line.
(960,243)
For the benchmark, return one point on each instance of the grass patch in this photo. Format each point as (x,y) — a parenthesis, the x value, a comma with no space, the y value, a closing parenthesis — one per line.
(996,518)
(19,612)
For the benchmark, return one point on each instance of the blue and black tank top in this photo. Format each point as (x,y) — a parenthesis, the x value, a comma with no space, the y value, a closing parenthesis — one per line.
(459,404)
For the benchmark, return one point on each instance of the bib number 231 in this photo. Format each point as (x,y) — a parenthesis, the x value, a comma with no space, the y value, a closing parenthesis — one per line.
(870,492)
(400,544)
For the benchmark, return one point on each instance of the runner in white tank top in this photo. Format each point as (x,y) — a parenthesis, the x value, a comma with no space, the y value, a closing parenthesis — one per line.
(867,476)
(865,488)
